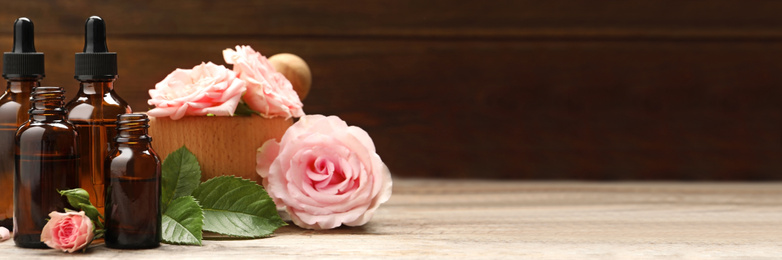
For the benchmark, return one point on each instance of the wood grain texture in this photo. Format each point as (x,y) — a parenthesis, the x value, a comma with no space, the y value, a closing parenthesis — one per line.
(508,89)
(410,18)
(223,145)
(539,220)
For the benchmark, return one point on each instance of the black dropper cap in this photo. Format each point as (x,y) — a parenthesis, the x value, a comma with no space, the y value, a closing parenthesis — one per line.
(23,60)
(95,62)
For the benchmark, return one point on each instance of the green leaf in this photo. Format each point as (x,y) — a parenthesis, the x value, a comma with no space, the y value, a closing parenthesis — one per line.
(80,200)
(237,207)
(181,175)
(182,222)
(76,196)
(242,109)
(92,213)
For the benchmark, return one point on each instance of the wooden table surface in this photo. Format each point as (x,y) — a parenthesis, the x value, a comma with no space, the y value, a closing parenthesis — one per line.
(515,219)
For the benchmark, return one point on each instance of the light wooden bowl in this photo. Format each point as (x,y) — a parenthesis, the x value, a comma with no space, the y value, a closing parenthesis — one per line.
(227,145)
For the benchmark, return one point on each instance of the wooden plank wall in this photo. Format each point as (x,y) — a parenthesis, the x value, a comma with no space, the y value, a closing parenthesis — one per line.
(558,89)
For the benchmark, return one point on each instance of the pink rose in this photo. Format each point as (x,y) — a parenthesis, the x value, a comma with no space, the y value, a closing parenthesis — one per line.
(324,173)
(205,89)
(268,91)
(4,234)
(68,231)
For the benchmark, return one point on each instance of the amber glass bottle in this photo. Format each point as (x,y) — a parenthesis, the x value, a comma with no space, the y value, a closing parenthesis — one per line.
(95,108)
(132,187)
(23,69)
(47,160)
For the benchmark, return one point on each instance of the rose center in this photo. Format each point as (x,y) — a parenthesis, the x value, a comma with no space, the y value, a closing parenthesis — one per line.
(323,166)
(66,233)
(329,173)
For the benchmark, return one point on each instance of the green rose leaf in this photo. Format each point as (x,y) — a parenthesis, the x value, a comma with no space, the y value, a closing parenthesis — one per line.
(76,196)
(92,213)
(80,200)
(237,207)
(182,222)
(242,109)
(181,175)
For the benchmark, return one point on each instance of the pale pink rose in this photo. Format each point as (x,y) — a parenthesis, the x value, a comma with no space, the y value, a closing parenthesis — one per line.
(68,231)
(324,173)
(4,234)
(268,91)
(205,89)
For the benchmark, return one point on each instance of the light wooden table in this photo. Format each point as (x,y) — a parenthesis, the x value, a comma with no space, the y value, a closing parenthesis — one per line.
(535,220)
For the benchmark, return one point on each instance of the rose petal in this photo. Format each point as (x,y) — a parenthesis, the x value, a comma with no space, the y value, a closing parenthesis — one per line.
(4,234)
(226,109)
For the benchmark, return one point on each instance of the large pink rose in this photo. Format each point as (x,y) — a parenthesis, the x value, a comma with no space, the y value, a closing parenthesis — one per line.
(205,89)
(68,231)
(268,91)
(324,173)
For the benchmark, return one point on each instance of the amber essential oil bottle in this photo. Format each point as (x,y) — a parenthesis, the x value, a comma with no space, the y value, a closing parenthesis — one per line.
(132,187)
(23,69)
(47,160)
(95,108)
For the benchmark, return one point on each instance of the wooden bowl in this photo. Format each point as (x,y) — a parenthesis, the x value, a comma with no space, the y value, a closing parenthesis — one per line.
(227,145)
(223,145)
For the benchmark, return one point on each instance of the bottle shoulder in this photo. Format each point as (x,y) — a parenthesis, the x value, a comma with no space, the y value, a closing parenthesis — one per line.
(48,138)
(144,160)
(9,110)
(8,98)
(63,127)
(114,98)
(89,107)
(94,100)
(100,95)
(5,97)
(140,149)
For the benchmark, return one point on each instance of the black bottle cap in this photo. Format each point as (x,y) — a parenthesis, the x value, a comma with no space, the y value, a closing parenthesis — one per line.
(95,62)
(23,60)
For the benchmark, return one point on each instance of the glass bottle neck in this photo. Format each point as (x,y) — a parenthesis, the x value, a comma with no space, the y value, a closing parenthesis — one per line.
(132,130)
(133,133)
(48,110)
(96,87)
(137,144)
(134,136)
(47,104)
(23,86)
(53,117)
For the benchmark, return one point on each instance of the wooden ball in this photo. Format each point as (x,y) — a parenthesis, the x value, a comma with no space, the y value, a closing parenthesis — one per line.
(295,70)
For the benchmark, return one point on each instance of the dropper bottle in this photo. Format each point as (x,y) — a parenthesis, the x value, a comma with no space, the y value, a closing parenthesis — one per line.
(95,108)
(23,69)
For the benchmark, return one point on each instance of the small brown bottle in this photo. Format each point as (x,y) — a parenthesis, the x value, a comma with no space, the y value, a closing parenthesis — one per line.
(132,187)
(47,160)
(96,106)
(23,69)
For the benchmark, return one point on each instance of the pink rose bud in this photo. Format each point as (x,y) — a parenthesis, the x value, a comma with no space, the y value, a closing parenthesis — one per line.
(68,231)
(205,89)
(324,173)
(4,234)
(268,91)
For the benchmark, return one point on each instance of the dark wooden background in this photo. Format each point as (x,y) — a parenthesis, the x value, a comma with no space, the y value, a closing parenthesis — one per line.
(557,89)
